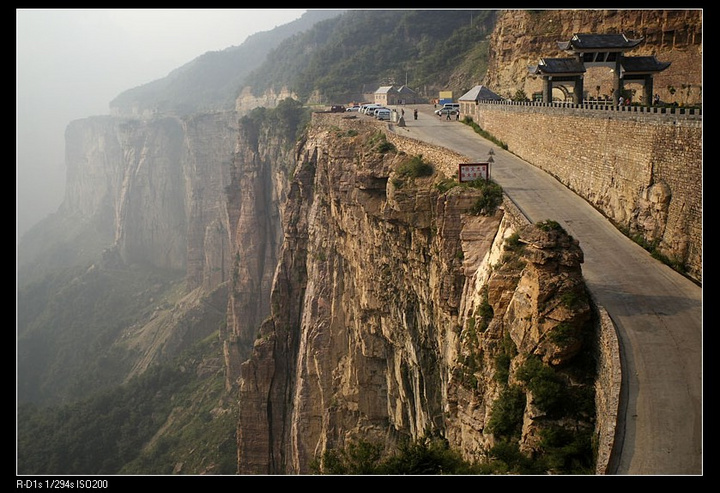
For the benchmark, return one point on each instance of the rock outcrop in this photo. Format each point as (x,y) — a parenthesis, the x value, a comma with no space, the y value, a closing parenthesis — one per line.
(390,305)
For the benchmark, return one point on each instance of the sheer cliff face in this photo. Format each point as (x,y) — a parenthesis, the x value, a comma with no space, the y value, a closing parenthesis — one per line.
(256,193)
(374,330)
(199,195)
(158,183)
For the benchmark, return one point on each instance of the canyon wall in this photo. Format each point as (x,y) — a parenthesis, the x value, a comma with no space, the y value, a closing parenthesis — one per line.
(199,195)
(354,291)
(156,183)
(392,304)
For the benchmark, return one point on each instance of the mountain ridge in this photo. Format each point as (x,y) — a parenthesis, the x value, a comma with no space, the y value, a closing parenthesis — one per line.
(210,82)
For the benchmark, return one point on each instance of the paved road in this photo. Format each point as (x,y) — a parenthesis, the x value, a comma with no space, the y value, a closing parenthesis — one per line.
(658,313)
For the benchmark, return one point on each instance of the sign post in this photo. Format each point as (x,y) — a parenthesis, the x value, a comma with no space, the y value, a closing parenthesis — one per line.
(473,171)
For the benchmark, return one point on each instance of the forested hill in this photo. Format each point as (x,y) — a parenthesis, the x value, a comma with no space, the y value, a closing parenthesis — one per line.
(347,56)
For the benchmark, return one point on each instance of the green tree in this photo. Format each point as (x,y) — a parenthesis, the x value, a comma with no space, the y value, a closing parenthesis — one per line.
(507,413)
(428,455)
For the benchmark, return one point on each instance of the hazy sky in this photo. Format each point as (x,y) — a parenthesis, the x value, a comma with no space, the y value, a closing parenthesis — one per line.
(71,63)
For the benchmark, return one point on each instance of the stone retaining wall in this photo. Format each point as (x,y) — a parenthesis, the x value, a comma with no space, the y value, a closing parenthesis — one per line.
(641,169)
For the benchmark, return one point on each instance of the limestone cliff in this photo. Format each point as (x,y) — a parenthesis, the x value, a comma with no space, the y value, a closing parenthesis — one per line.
(198,195)
(151,179)
(392,305)
(356,295)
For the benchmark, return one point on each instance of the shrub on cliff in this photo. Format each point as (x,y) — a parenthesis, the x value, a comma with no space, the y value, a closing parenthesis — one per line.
(427,455)
(415,167)
(490,197)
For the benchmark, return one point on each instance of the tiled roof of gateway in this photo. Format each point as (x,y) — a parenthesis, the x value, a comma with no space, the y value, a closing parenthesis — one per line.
(643,64)
(558,66)
(581,42)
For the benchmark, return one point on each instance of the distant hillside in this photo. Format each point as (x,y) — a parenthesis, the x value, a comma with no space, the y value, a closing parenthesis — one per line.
(343,58)
(330,56)
(211,82)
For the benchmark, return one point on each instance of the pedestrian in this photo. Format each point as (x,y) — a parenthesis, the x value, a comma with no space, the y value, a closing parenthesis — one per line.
(448,115)
(457,116)
(402,112)
(621,100)
(415,114)
(657,99)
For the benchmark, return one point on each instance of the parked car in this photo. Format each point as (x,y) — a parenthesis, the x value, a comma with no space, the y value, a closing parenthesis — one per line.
(337,108)
(353,108)
(452,106)
(445,111)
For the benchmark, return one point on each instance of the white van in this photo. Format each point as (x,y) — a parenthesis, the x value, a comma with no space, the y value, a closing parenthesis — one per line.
(370,108)
(383,114)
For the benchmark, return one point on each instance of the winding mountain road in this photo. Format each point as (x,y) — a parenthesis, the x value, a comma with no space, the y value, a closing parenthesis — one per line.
(657,312)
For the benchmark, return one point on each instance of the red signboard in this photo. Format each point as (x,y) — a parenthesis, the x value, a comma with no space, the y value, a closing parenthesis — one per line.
(473,171)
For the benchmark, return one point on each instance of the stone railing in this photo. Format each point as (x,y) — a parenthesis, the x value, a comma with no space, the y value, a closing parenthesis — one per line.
(608,387)
(598,106)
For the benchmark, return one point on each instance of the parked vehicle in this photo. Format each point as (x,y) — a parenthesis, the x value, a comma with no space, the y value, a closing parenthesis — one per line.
(383,114)
(370,108)
(375,110)
(337,108)
(451,106)
(353,108)
(446,111)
